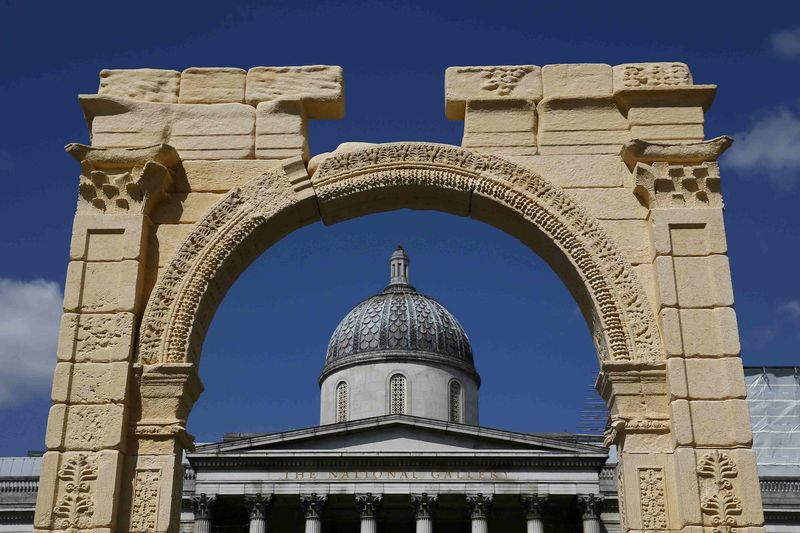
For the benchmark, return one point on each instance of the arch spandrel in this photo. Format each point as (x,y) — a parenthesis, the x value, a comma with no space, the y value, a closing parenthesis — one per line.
(384,177)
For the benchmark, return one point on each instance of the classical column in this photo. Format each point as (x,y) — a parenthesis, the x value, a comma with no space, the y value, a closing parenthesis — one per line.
(367,506)
(203,506)
(534,504)
(259,505)
(589,505)
(313,505)
(479,505)
(424,505)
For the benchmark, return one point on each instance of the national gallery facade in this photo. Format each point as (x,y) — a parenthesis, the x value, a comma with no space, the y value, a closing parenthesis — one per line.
(399,449)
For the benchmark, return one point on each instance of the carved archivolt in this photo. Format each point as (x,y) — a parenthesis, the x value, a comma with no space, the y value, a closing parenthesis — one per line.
(625,328)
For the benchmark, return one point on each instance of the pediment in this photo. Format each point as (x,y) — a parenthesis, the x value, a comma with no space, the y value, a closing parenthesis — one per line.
(396,433)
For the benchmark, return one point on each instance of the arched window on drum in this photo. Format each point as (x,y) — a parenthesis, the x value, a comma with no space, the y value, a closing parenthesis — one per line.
(454,401)
(342,402)
(397,394)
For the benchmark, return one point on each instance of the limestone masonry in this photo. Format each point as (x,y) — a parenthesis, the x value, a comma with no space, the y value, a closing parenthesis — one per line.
(603,171)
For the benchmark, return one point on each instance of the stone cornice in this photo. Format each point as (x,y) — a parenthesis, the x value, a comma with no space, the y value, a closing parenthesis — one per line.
(641,151)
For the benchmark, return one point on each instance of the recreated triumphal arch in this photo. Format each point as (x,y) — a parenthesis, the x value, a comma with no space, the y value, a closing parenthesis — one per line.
(603,171)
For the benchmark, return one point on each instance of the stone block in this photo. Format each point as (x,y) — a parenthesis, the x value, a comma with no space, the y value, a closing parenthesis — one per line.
(48,484)
(482,83)
(85,427)
(711,423)
(579,79)
(165,241)
(646,274)
(152,85)
(196,131)
(709,332)
(669,132)
(107,238)
(90,383)
(687,504)
(686,231)
(747,488)
(665,276)
(212,85)
(583,171)
(632,237)
(221,176)
(654,116)
(281,130)
(671,330)
(706,379)
(703,281)
(96,338)
(102,287)
(319,87)
(184,208)
(610,204)
(595,141)
(658,75)
(580,114)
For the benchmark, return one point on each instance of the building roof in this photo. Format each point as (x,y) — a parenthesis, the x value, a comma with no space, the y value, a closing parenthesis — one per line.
(20,466)
(399,324)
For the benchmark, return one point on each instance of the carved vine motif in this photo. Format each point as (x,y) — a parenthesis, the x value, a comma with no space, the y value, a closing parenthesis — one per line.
(629,330)
(718,499)
(653,498)
(623,511)
(501,80)
(664,185)
(121,191)
(75,508)
(144,509)
(656,75)
(627,322)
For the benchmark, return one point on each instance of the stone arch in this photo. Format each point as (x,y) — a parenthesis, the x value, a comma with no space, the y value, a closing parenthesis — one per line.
(383,177)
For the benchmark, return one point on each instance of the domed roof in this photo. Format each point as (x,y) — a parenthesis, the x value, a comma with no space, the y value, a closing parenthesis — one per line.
(399,324)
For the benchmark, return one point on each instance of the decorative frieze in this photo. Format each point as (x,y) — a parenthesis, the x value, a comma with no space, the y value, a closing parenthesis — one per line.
(661,185)
(652,75)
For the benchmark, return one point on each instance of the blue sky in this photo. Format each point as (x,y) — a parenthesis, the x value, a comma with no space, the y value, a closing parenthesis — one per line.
(267,342)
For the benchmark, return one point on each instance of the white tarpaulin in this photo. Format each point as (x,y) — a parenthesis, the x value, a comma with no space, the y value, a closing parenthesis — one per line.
(773,395)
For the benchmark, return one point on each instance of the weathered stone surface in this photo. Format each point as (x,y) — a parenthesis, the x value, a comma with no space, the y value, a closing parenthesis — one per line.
(184,208)
(688,232)
(220,176)
(319,87)
(500,127)
(281,130)
(575,170)
(655,116)
(669,132)
(96,338)
(703,281)
(97,237)
(85,427)
(632,238)
(212,85)
(502,82)
(90,383)
(706,379)
(101,287)
(152,85)
(197,131)
(709,332)
(574,80)
(610,204)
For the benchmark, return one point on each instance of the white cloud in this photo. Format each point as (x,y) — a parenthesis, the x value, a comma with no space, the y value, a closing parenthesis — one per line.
(791,308)
(29,317)
(770,149)
(787,42)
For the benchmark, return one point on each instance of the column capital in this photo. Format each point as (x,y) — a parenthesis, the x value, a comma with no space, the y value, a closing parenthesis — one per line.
(424,504)
(313,504)
(259,505)
(203,505)
(479,504)
(368,504)
(589,505)
(533,504)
